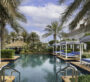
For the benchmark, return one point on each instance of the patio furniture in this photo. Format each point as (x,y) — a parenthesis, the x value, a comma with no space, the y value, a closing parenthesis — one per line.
(58,52)
(86,61)
(73,53)
(70,55)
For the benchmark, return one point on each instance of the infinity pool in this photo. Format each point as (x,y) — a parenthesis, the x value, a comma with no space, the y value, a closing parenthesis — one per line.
(38,68)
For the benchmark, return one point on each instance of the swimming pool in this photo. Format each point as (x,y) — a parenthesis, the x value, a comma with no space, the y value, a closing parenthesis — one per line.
(38,68)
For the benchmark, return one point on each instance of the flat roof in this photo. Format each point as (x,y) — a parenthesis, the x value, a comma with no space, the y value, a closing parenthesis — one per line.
(85,39)
(69,42)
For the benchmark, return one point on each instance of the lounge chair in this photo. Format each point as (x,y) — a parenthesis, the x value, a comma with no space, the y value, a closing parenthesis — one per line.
(69,54)
(58,52)
(86,61)
(77,53)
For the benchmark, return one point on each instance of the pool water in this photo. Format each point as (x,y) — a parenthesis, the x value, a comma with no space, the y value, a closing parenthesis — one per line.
(38,68)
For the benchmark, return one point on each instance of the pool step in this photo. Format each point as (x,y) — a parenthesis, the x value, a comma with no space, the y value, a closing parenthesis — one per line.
(9,78)
(66,78)
(2,64)
(10,59)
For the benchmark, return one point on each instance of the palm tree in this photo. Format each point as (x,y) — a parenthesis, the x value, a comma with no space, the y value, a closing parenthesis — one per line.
(33,38)
(9,14)
(84,10)
(13,36)
(24,34)
(5,34)
(54,30)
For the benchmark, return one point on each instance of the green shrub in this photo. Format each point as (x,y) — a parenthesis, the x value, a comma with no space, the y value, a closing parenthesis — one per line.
(77,49)
(68,51)
(7,53)
(86,56)
(83,56)
(50,49)
(83,78)
(22,51)
(87,34)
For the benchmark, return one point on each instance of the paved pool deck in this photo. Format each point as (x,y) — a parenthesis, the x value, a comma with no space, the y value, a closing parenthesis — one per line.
(66,78)
(2,64)
(9,78)
(68,59)
(78,64)
(10,59)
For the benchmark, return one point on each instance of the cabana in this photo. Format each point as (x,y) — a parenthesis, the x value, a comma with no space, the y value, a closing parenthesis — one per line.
(55,51)
(84,40)
(73,54)
(66,43)
(16,44)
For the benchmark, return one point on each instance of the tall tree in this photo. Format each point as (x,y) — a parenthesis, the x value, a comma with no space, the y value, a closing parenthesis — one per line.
(24,34)
(9,14)
(33,38)
(84,8)
(13,36)
(53,30)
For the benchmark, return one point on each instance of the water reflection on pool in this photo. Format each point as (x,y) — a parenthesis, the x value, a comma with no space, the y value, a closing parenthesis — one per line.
(38,68)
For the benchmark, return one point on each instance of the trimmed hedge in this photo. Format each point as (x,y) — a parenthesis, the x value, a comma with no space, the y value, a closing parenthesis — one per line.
(7,53)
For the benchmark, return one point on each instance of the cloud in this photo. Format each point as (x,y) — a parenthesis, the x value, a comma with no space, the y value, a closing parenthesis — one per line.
(40,16)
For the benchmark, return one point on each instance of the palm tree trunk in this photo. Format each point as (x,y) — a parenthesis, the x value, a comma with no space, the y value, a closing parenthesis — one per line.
(33,42)
(55,39)
(2,36)
(24,39)
(55,42)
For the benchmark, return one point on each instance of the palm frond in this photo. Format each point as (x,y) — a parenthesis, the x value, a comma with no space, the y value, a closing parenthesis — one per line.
(61,1)
(48,28)
(20,17)
(11,6)
(3,14)
(15,25)
(46,35)
(6,16)
(80,15)
(54,26)
(70,10)
(59,28)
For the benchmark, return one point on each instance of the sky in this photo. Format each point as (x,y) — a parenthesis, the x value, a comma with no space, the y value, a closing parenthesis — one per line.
(39,14)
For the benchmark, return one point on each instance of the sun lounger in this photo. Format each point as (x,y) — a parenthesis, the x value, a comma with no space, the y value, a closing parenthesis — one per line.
(77,53)
(69,54)
(86,61)
(58,52)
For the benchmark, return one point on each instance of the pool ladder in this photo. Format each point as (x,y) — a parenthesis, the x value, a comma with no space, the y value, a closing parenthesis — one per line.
(74,71)
(13,71)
